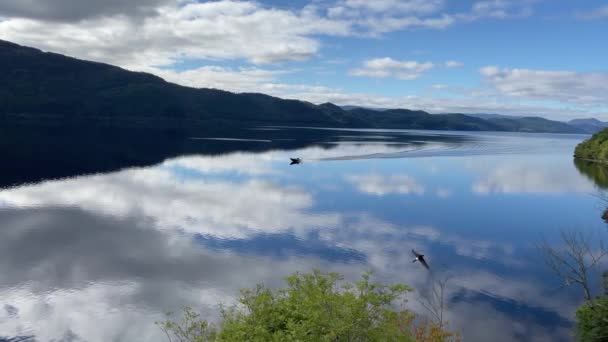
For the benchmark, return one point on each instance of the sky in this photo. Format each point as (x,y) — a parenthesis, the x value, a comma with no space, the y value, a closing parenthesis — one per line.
(522,57)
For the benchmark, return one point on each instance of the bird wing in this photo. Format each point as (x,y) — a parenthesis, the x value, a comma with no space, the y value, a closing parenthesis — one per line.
(415,254)
(423,262)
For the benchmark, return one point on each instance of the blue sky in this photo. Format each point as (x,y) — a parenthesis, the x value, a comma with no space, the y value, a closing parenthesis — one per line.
(534,57)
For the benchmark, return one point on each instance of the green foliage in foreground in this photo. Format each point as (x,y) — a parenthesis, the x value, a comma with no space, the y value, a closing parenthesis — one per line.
(313,307)
(592,320)
(595,148)
(592,317)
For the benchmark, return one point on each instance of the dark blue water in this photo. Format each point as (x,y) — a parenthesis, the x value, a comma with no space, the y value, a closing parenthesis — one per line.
(101,257)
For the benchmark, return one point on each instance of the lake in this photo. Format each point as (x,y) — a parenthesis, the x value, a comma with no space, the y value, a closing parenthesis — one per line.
(99,254)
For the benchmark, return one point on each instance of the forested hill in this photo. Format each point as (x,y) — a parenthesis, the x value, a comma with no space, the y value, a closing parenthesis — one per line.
(52,84)
(595,148)
(48,88)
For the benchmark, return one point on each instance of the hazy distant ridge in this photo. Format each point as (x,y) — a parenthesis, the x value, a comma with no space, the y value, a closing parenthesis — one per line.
(590,125)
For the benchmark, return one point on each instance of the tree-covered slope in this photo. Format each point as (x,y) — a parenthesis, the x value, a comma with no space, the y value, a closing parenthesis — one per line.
(595,148)
(51,88)
(46,83)
(535,124)
(526,124)
(417,119)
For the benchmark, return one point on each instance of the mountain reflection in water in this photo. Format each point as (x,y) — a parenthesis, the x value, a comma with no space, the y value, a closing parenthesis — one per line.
(101,256)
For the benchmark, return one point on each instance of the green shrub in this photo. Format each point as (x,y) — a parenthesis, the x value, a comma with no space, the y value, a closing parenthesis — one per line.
(592,320)
(313,307)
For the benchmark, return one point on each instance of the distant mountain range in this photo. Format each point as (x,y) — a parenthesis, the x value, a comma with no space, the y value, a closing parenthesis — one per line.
(589,125)
(49,89)
(496,116)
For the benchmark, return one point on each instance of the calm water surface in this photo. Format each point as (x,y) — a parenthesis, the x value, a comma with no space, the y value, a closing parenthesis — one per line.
(101,257)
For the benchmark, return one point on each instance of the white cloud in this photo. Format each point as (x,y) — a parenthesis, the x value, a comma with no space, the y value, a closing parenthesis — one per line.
(376,26)
(388,67)
(378,17)
(403,70)
(598,13)
(381,185)
(565,86)
(75,10)
(147,33)
(398,6)
(210,30)
(381,16)
(498,9)
(494,8)
(236,80)
(453,64)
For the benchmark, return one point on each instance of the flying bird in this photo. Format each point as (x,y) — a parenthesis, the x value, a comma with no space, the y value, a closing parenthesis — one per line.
(295,161)
(420,257)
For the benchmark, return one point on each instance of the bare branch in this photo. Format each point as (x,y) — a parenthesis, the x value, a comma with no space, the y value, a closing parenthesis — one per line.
(575,259)
(434,301)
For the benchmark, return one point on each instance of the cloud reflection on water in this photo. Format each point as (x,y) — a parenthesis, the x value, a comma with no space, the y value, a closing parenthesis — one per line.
(529,176)
(101,257)
(379,185)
